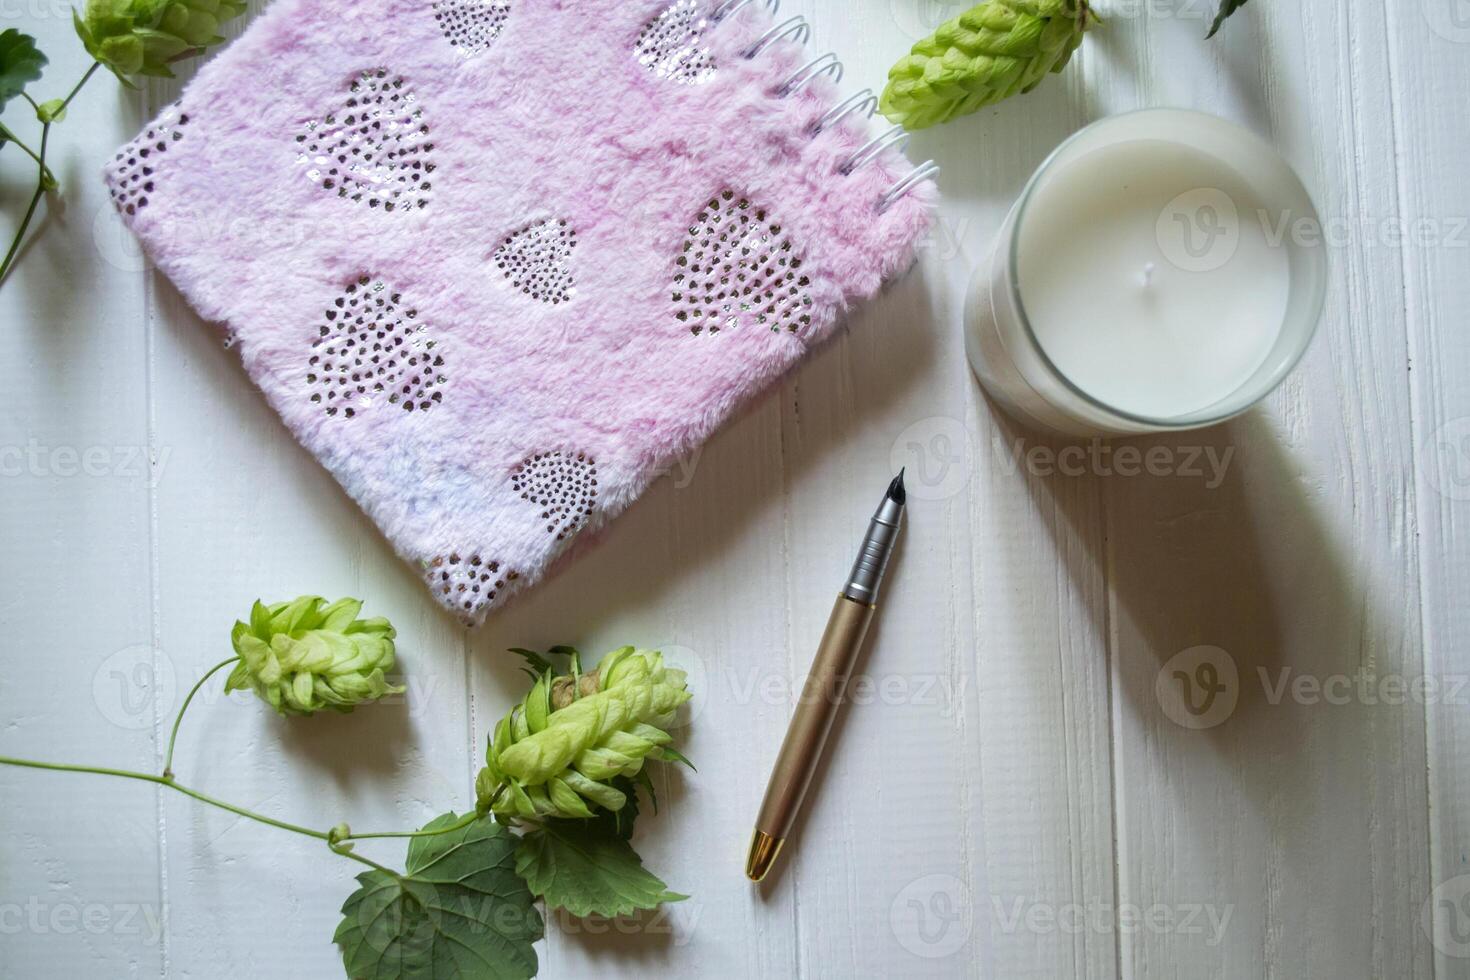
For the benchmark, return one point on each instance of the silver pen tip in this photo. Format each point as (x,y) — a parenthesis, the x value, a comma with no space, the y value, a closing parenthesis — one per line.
(896,491)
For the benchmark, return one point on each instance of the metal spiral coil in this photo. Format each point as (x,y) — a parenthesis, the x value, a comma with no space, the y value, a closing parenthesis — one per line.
(927,170)
(728,7)
(864,101)
(826,64)
(799,30)
(791,29)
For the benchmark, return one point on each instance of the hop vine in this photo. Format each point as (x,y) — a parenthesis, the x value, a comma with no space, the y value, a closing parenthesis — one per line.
(556,801)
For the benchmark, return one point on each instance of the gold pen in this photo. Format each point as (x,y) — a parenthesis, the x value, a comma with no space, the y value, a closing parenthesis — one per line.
(825,685)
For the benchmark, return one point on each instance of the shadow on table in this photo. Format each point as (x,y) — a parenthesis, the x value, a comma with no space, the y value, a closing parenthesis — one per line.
(1238,627)
(361,747)
(644,939)
(1238,560)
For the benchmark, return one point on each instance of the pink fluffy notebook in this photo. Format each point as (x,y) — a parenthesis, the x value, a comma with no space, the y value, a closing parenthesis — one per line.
(497,263)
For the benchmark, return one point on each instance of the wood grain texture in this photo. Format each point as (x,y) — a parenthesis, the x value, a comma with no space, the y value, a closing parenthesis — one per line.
(1428,59)
(1299,568)
(1014,797)
(79,858)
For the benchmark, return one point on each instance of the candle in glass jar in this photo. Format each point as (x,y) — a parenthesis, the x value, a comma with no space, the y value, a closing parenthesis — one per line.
(1152,277)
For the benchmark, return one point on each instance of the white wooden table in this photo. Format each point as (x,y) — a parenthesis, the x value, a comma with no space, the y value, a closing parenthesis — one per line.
(1016,800)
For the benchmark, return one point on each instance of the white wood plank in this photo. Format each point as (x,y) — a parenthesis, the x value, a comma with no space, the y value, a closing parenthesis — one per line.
(1301,819)
(886,824)
(1429,61)
(998,589)
(79,853)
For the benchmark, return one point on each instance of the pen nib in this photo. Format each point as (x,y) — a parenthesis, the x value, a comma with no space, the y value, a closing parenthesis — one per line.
(896,491)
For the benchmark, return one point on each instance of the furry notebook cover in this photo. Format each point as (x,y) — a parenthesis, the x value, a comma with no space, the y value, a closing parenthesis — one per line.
(497,264)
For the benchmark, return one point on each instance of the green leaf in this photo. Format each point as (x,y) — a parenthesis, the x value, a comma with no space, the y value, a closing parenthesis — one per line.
(578,866)
(673,755)
(20,64)
(620,822)
(538,703)
(460,911)
(1227,7)
(539,664)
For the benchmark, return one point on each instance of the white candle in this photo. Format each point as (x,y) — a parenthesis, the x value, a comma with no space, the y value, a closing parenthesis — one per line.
(1160,272)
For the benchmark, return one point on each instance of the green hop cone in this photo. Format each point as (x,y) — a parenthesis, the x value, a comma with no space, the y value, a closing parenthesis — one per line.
(561,748)
(984,55)
(303,656)
(141,37)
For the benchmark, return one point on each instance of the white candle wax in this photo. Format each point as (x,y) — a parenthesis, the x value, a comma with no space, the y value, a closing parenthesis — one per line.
(1146,331)
(1152,277)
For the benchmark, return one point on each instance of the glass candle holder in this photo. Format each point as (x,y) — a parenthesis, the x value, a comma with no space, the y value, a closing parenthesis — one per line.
(1163,270)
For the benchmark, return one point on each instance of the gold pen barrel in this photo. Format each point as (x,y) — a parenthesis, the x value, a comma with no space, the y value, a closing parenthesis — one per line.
(816,709)
(826,684)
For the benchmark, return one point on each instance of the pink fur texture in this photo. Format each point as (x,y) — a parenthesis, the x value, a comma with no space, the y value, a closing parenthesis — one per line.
(498,263)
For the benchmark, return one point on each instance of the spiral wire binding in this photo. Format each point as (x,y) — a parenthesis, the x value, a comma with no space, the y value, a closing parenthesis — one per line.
(826,64)
(728,7)
(897,138)
(792,29)
(797,29)
(864,101)
(924,171)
